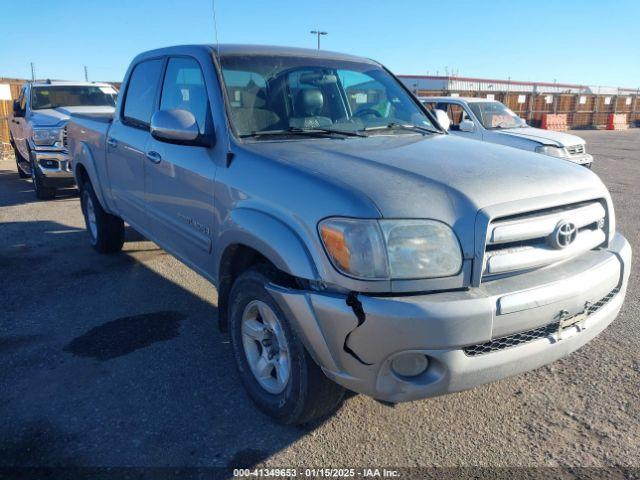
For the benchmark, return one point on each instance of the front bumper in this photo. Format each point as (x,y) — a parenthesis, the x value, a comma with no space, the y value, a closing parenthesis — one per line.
(54,168)
(584,159)
(355,346)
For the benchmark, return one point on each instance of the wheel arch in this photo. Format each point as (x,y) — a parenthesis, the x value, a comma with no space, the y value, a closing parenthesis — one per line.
(84,169)
(253,237)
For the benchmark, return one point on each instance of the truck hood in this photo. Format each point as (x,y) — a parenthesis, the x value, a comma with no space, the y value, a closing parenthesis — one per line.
(50,117)
(545,137)
(440,177)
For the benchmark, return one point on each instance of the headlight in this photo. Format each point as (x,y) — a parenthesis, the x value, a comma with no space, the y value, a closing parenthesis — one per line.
(391,249)
(47,136)
(559,152)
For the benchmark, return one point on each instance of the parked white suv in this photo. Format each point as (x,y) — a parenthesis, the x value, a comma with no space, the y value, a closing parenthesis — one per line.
(492,121)
(38,128)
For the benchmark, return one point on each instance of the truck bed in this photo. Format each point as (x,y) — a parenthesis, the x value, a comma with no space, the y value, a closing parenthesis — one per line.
(90,129)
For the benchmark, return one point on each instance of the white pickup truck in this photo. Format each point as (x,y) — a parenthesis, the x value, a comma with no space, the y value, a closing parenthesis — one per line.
(492,121)
(38,128)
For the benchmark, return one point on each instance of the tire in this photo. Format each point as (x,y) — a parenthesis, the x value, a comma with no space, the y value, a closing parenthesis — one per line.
(21,173)
(106,231)
(42,192)
(307,394)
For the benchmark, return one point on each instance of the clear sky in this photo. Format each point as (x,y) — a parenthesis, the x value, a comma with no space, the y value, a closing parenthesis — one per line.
(588,42)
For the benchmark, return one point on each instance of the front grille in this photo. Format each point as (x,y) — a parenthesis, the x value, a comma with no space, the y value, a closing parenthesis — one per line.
(530,240)
(64,137)
(516,339)
(576,149)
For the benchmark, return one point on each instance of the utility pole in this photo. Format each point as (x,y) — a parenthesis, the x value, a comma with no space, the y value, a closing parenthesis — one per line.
(33,72)
(86,74)
(318,33)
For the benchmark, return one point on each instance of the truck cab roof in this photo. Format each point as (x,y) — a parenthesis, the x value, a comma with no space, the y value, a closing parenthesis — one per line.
(248,49)
(48,83)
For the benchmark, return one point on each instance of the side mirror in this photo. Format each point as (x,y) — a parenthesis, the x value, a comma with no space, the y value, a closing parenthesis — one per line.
(174,126)
(442,117)
(17,111)
(467,126)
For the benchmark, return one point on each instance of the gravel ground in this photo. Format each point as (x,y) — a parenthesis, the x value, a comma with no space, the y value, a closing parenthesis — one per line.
(116,361)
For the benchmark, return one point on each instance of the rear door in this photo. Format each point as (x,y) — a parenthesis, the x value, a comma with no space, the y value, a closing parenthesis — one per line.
(127,142)
(179,181)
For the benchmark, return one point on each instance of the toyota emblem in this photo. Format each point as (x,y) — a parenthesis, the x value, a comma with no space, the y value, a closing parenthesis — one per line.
(564,234)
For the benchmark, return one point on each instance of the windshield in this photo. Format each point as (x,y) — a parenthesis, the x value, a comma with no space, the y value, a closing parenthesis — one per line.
(495,115)
(284,94)
(54,96)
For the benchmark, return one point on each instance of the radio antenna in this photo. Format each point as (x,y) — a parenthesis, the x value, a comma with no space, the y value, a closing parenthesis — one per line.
(215,23)
(230,154)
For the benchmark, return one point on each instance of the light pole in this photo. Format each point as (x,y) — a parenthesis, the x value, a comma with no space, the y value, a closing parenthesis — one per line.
(318,33)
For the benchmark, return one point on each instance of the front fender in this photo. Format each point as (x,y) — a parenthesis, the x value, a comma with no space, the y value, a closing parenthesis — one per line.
(269,236)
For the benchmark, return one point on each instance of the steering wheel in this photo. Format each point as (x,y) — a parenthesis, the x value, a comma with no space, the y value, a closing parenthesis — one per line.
(367,111)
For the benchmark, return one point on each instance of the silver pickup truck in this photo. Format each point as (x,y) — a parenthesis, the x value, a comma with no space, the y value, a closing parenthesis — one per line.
(354,243)
(38,128)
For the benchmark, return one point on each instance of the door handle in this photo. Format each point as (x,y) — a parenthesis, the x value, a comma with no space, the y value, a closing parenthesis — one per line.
(112,142)
(154,156)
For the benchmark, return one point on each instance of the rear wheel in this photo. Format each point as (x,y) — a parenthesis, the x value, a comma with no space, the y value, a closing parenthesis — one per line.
(280,376)
(106,231)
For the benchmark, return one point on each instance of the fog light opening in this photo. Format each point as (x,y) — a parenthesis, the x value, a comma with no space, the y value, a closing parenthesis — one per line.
(46,163)
(409,364)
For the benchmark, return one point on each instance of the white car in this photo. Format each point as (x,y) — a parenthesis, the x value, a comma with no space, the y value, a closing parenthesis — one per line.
(492,121)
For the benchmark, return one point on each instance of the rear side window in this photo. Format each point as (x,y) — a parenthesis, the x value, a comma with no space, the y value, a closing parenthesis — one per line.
(141,93)
(184,89)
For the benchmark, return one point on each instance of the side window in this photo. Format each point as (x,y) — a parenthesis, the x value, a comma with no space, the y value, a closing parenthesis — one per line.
(455,112)
(184,88)
(22,99)
(141,93)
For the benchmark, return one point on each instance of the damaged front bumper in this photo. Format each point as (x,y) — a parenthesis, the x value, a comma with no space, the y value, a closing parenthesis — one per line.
(471,337)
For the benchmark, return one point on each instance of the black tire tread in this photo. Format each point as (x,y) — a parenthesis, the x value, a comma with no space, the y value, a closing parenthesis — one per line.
(320,395)
(110,227)
(42,192)
(21,173)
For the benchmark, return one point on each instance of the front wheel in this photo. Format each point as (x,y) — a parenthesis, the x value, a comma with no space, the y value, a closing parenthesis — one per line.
(106,231)
(42,192)
(21,173)
(280,376)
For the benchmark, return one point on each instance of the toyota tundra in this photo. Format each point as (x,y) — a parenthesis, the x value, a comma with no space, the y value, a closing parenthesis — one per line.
(354,243)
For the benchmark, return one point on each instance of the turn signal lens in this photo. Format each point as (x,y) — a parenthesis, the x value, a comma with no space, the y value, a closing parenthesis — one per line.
(337,246)
(355,247)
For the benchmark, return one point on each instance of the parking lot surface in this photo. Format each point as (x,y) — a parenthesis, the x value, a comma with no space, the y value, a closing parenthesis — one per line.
(117,361)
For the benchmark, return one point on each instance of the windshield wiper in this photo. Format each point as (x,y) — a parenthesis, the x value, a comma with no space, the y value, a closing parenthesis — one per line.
(304,131)
(401,126)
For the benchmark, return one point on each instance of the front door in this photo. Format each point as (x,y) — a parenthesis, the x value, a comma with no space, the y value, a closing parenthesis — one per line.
(457,114)
(127,143)
(179,181)
(18,126)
